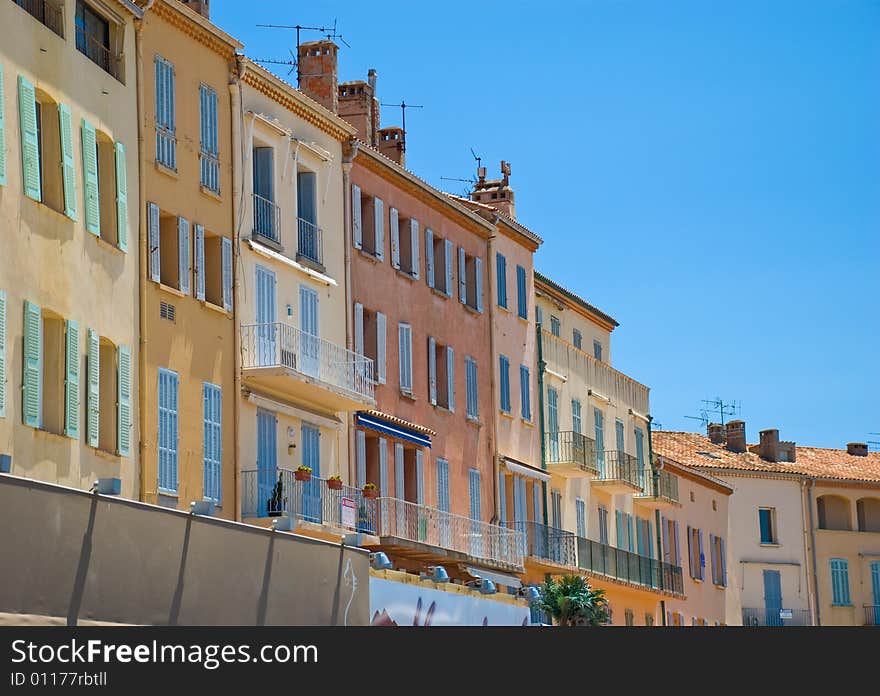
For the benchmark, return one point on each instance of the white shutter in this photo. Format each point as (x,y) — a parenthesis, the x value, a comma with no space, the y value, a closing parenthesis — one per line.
(200,261)
(399,487)
(227,274)
(462,275)
(395,238)
(450,378)
(360,455)
(358,328)
(414,246)
(383,466)
(420,477)
(478,274)
(155,258)
(447,265)
(356,222)
(404,342)
(380,347)
(183,254)
(432,370)
(429,257)
(379,227)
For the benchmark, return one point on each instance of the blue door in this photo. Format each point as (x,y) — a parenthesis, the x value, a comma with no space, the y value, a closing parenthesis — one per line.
(772,597)
(266,334)
(310,343)
(269,499)
(311,490)
(875,585)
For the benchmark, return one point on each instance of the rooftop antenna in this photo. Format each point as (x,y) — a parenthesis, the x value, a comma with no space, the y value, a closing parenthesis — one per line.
(481,171)
(466,192)
(718,407)
(403,107)
(873,445)
(330,32)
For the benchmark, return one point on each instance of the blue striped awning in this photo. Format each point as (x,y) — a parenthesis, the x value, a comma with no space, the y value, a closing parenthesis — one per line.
(401,432)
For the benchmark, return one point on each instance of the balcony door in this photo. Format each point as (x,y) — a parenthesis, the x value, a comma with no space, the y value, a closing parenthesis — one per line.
(311,457)
(553,423)
(875,585)
(266,333)
(772,597)
(269,499)
(599,418)
(308,324)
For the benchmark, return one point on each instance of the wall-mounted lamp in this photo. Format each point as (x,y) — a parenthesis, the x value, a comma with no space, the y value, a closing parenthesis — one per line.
(202,507)
(530,592)
(436,573)
(484,585)
(379,561)
(107,486)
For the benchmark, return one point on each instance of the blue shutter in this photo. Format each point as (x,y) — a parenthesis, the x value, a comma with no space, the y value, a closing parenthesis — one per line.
(522,300)
(576,415)
(443,485)
(432,370)
(552,410)
(212,443)
(450,379)
(840,581)
(227,273)
(618,520)
(478,285)
(90,178)
(68,169)
(2,337)
(640,448)
(71,381)
(183,247)
(399,473)
(168,439)
(123,401)
(525,391)
(501,273)
(32,366)
(121,197)
(447,266)
(474,491)
(581,514)
(504,366)
(267,461)
(502,499)
(473,409)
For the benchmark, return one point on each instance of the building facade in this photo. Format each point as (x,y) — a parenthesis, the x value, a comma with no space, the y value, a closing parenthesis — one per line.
(69,198)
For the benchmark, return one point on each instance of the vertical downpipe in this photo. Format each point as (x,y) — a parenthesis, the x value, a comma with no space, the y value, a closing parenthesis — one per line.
(657,519)
(541,367)
(236,118)
(815,583)
(347,161)
(493,428)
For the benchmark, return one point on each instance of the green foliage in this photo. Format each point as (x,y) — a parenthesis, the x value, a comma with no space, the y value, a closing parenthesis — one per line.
(570,601)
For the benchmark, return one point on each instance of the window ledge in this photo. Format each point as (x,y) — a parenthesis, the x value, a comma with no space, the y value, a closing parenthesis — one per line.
(527,422)
(441,294)
(110,245)
(167,493)
(210,193)
(443,409)
(406,274)
(472,310)
(408,395)
(106,454)
(171,291)
(167,171)
(51,433)
(215,308)
(524,320)
(771,544)
(369,255)
(505,309)
(505,414)
(474,421)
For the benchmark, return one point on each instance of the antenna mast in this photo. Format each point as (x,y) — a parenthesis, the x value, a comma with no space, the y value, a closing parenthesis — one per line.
(718,407)
(403,107)
(331,34)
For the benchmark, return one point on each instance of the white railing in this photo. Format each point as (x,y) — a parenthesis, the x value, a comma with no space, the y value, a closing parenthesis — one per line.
(419,523)
(281,345)
(267,218)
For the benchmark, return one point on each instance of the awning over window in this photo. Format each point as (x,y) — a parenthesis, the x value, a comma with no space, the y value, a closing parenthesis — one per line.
(525,470)
(396,430)
(495,576)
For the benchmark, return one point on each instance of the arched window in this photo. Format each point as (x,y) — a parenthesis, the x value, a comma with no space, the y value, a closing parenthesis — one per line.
(834,513)
(868,512)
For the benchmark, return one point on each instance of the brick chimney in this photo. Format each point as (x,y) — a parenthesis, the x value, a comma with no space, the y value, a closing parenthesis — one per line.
(391,144)
(716,433)
(768,447)
(736,436)
(359,106)
(200,6)
(496,192)
(319,72)
(857,449)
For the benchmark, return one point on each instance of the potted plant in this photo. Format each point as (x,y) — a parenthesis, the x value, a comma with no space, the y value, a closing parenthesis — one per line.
(571,601)
(303,473)
(370,490)
(335,482)
(275,504)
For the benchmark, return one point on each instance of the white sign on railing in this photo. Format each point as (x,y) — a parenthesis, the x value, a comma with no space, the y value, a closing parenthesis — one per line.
(785,613)
(348,512)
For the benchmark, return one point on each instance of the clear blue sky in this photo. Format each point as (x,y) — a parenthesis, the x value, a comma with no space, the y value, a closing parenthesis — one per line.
(707,173)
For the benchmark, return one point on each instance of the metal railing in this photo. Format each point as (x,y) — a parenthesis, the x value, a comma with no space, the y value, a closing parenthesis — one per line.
(166,148)
(541,541)
(628,566)
(614,465)
(281,345)
(872,615)
(571,448)
(97,52)
(775,617)
(210,171)
(46,13)
(310,241)
(480,540)
(665,487)
(267,218)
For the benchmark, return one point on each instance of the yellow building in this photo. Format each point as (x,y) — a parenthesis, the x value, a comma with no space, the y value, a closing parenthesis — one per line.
(604,505)
(187,368)
(69,200)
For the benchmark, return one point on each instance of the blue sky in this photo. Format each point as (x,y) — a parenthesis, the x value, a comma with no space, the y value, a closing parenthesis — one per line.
(707,173)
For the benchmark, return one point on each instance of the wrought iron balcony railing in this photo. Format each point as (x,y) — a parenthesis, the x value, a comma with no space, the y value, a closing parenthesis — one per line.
(775,617)
(210,171)
(614,465)
(567,448)
(166,148)
(872,615)
(666,485)
(541,541)
(628,566)
(310,241)
(97,52)
(281,345)
(47,13)
(267,218)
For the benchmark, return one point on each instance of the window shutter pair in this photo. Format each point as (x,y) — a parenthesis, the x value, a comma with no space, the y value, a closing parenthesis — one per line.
(30,149)
(429,257)
(123,395)
(356,219)
(395,238)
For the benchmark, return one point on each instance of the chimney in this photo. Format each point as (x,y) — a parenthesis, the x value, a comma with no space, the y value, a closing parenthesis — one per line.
(857,449)
(319,73)
(716,433)
(768,448)
(200,6)
(736,436)
(359,106)
(496,192)
(391,144)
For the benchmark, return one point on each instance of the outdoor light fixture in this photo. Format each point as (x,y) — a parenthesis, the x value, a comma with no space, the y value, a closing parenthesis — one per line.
(380,561)
(530,592)
(484,585)
(202,507)
(284,524)
(437,573)
(107,486)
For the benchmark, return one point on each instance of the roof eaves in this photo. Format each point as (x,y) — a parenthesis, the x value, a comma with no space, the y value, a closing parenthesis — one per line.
(540,277)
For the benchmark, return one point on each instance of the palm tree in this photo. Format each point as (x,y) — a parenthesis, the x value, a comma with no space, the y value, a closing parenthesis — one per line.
(570,601)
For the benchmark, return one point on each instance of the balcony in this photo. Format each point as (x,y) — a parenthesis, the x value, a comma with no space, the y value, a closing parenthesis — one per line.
(310,244)
(775,617)
(571,454)
(298,365)
(872,615)
(618,472)
(543,543)
(434,536)
(46,13)
(97,52)
(267,219)
(626,566)
(658,493)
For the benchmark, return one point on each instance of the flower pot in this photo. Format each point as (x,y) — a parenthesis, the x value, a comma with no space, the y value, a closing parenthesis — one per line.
(371,493)
(334,484)
(302,475)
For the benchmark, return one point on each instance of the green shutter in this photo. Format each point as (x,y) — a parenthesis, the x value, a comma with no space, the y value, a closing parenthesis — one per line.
(68,171)
(2,354)
(94,385)
(32,367)
(121,198)
(30,150)
(90,174)
(2,131)
(71,383)
(123,417)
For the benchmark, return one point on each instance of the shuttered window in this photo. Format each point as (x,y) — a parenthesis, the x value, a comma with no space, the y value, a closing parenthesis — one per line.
(404,334)
(212,442)
(470,365)
(501,273)
(840,582)
(68,170)
(555,326)
(576,415)
(442,484)
(522,299)
(525,393)
(166,143)
(121,197)
(30,142)
(577,339)
(504,370)
(210,166)
(93,395)
(474,493)
(167,444)
(580,509)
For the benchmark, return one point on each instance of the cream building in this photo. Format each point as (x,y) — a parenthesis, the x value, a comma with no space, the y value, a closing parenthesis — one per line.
(69,199)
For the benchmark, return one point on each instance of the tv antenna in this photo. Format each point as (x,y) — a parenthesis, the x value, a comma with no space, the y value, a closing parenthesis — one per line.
(329,32)
(873,445)
(403,107)
(718,407)
(466,192)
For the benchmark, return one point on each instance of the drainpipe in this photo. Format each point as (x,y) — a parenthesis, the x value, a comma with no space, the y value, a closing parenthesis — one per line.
(349,152)
(813,590)
(236,119)
(541,367)
(655,474)
(496,463)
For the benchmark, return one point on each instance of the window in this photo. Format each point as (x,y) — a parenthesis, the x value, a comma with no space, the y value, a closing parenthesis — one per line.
(267,215)
(597,350)
(599,421)
(671,547)
(577,339)
(603,524)
(212,274)
(695,552)
(101,375)
(105,173)
(470,280)
(581,517)
(504,381)
(368,223)
(522,298)
(166,141)
(640,448)
(47,12)
(93,38)
(208,154)
(404,341)
(501,273)
(555,326)
(173,251)
(576,415)
(767,525)
(309,238)
(719,561)
(167,431)
(629,617)
(625,536)
(404,243)
(525,389)
(470,368)
(212,441)
(868,513)
(441,374)
(49,151)
(50,380)
(619,435)
(834,512)
(370,336)
(840,582)
(438,263)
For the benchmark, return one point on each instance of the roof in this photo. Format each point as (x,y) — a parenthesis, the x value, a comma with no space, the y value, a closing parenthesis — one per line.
(696,450)
(207,33)
(495,212)
(541,278)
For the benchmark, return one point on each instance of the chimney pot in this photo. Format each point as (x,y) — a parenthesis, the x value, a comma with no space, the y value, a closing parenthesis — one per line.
(319,73)
(769,445)
(857,449)
(736,435)
(716,433)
